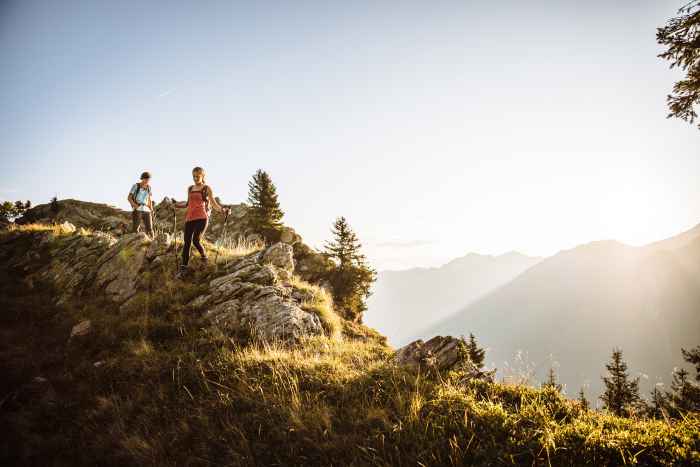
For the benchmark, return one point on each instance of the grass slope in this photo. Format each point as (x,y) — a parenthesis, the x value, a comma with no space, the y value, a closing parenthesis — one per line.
(150,386)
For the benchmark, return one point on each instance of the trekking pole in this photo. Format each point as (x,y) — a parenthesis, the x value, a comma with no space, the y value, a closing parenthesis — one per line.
(223,230)
(154,222)
(174,230)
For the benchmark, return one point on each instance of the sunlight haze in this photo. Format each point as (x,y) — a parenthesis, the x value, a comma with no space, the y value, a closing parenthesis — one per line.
(435,129)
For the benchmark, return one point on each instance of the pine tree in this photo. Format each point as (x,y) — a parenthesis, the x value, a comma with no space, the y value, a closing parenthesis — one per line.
(621,394)
(583,401)
(682,37)
(352,277)
(476,354)
(265,213)
(685,393)
(693,357)
(552,381)
(658,404)
(685,396)
(345,248)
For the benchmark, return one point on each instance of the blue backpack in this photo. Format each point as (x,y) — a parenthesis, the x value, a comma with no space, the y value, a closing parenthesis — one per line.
(135,195)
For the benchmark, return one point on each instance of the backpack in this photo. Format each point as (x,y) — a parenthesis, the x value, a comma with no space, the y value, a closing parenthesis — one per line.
(138,189)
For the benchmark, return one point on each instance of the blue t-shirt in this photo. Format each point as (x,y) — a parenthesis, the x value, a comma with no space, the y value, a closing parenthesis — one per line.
(141,198)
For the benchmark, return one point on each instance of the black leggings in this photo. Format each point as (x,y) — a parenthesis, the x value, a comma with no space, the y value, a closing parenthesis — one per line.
(193,232)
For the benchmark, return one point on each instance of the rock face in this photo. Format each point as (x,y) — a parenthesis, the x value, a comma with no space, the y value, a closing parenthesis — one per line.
(289,236)
(93,252)
(440,353)
(119,266)
(72,261)
(93,216)
(77,264)
(311,266)
(280,255)
(254,297)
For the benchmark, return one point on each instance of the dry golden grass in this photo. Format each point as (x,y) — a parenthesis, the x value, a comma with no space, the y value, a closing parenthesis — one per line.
(320,304)
(167,394)
(57,229)
(333,355)
(226,250)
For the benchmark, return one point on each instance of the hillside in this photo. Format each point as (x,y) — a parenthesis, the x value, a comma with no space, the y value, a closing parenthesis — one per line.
(571,309)
(405,302)
(108,360)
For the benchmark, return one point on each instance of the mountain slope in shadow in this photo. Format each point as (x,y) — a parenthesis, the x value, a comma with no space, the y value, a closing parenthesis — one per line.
(403,302)
(570,310)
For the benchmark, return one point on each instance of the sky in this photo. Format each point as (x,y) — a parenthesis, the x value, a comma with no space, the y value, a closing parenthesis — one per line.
(435,128)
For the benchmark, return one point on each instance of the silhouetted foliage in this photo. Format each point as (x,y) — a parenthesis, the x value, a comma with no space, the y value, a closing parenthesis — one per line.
(265,212)
(9,211)
(351,277)
(681,35)
(552,381)
(693,356)
(476,354)
(685,393)
(658,404)
(621,396)
(585,405)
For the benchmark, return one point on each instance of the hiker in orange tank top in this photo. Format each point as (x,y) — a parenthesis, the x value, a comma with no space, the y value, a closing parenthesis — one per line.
(200,199)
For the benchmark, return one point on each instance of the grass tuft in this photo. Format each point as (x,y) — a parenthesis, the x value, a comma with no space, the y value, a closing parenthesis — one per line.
(57,229)
(320,302)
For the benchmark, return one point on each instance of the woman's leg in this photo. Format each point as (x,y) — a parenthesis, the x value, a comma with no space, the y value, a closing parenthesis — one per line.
(198,232)
(189,231)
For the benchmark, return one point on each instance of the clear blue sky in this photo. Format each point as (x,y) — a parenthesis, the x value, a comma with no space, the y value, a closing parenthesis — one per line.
(436,128)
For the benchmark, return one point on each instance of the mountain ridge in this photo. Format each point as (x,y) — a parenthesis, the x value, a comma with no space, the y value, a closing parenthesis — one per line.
(596,282)
(107,359)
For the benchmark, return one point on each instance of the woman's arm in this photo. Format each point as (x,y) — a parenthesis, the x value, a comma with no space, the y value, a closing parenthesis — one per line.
(214,203)
(182,204)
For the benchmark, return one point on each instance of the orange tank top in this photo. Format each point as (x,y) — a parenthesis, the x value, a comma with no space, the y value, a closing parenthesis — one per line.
(196,207)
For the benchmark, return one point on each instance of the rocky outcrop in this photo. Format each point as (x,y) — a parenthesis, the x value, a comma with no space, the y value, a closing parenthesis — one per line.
(280,255)
(118,268)
(82,263)
(255,297)
(311,265)
(439,353)
(94,216)
(71,261)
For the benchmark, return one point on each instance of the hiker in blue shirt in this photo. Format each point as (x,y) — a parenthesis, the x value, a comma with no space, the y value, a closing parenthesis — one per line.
(142,204)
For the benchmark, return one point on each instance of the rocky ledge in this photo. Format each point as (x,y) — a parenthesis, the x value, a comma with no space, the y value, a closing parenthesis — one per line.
(256,294)
(253,293)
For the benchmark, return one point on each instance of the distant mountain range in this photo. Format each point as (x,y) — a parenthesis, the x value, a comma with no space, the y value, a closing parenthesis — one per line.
(570,310)
(405,302)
